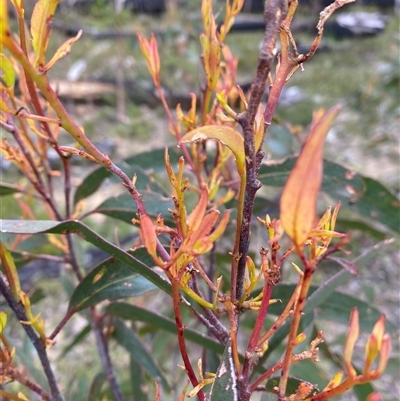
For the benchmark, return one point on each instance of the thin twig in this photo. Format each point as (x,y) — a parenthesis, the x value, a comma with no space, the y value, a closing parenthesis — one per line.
(214,326)
(181,337)
(16,375)
(102,347)
(34,338)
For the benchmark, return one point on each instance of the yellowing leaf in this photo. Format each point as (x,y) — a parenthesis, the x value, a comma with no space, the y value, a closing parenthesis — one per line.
(10,270)
(4,107)
(3,18)
(299,196)
(225,135)
(8,74)
(3,321)
(62,51)
(42,17)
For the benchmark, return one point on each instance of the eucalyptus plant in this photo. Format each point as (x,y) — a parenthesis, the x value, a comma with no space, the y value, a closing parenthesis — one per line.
(180,246)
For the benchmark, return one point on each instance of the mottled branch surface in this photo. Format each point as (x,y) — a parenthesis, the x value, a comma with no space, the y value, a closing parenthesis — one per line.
(274,14)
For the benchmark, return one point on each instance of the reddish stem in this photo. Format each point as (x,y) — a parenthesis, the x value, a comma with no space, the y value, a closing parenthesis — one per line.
(181,337)
(267,291)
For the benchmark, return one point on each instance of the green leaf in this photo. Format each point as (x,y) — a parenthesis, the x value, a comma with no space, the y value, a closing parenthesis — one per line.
(131,342)
(123,207)
(333,305)
(154,159)
(344,225)
(337,307)
(8,189)
(111,280)
(92,182)
(76,227)
(317,294)
(335,178)
(224,387)
(8,73)
(136,381)
(365,196)
(96,386)
(136,313)
(376,203)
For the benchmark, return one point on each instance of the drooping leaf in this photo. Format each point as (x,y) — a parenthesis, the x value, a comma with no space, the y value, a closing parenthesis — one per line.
(299,197)
(62,51)
(136,313)
(223,134)
(131,342)
(8,74)
(76,227)
(41,20)
(224,387)
(110,280)
(8,189)
(123,207)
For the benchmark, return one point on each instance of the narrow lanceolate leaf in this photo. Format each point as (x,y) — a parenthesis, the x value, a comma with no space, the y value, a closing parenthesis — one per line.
(110,280)
(76,227)
(225,135)
(299,196)
(42,17)
(62,51)
(224,387)
(132,343)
